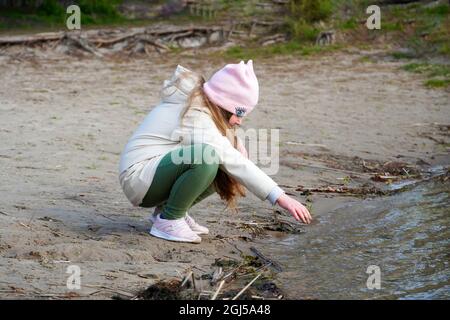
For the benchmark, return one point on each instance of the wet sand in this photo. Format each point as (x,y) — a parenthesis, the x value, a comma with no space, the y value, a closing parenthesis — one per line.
(64,122)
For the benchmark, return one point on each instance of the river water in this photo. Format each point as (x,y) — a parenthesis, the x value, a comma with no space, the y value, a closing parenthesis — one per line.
(405,235)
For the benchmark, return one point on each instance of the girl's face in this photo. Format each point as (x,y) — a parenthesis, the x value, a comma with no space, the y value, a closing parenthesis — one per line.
(235,120)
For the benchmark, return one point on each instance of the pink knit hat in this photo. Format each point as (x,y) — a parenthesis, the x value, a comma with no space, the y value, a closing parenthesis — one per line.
(234,88)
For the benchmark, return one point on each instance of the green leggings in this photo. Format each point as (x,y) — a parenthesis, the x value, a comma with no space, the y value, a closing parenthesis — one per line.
(177,187)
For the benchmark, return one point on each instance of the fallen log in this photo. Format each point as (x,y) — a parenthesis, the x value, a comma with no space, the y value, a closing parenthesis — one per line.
(181,30)
(279,37)
(155,44)
(177,35)
(53,36)
(41,37)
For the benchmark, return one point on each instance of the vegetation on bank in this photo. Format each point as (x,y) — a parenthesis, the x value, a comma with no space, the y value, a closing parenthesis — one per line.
(423,30)
(423,27)
(438,75)
(50,14)
(291,47)
(420,28)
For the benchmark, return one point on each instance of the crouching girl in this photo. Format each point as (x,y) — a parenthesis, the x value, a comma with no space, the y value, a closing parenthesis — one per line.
(186,149)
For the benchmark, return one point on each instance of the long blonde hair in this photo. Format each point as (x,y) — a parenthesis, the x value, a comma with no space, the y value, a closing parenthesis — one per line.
(228,188)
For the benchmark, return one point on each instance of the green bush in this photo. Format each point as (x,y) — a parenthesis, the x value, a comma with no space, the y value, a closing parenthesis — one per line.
(311,10)
(303,18)
(445,49)
(99,11)
(100,7)
(349,24)
(440,10)
(50,8)
(404,55)
(437,83)
(301,30)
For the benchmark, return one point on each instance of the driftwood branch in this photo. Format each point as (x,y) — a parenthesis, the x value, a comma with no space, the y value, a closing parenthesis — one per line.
(246,287)
(218,290)
(136,40)
(104,42)
(266,260)
(154,43)
(186,278)
(107,42)
(50,36)
(343,190)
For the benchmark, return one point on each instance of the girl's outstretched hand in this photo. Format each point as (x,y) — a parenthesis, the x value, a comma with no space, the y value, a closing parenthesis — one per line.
(298,210)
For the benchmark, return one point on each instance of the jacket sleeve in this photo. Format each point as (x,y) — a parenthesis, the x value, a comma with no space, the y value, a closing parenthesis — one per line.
(197,126)
(241,147)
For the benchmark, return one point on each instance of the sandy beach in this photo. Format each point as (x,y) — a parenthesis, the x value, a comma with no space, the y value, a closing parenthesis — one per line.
(64,122)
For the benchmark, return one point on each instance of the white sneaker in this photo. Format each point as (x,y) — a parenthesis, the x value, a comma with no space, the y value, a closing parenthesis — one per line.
(174,230)
(198,229)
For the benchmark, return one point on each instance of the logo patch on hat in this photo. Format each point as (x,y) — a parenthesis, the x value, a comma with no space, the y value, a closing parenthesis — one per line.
(240,111)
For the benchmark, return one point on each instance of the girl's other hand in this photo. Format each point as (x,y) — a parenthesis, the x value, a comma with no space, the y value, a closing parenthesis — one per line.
(298,210)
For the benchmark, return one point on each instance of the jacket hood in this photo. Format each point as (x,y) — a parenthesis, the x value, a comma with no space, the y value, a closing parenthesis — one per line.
(180,85)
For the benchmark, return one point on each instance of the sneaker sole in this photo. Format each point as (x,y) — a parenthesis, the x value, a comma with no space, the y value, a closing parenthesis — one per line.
(159,234)
(200,232)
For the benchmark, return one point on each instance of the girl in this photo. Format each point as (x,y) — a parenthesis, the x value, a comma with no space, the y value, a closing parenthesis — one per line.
(186,149)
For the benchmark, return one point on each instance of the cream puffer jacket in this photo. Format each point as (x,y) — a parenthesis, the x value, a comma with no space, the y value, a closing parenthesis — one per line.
(162,131)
